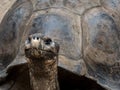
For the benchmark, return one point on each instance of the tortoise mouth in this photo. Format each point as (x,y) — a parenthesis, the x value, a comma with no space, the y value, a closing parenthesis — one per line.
(34,53)
(40,46)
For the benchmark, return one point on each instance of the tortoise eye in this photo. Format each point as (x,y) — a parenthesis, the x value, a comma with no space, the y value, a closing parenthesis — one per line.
(48,41)
(29,39)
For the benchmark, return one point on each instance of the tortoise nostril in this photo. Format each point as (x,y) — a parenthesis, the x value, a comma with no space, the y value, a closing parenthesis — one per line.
(48,41)
(33,37)
(37,38)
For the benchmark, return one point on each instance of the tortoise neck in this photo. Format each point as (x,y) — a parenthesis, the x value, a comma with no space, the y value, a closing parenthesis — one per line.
(43,74)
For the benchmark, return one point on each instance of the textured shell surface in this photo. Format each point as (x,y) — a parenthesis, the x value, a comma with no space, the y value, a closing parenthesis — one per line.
(87,31)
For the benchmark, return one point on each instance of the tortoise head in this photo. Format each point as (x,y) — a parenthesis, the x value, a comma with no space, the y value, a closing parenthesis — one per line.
(38,46)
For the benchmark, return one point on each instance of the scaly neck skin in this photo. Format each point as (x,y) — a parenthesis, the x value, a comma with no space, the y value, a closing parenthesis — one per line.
(43,74)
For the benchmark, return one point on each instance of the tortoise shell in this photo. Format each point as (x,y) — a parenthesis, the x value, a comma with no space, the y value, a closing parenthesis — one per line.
(87,31)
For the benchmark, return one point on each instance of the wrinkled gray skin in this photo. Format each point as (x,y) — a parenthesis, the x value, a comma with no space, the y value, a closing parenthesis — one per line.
(42,57)
(87,31)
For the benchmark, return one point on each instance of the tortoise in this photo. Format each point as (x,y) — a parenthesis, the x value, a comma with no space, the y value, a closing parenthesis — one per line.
(87,32)
(42,57)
